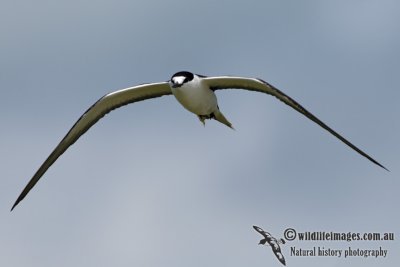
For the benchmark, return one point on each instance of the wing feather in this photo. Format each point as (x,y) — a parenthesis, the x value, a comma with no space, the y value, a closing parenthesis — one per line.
(252,84)
(98,110)
(261,231)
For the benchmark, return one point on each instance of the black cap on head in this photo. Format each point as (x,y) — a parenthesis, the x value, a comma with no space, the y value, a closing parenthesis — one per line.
(180,78)
(188,75)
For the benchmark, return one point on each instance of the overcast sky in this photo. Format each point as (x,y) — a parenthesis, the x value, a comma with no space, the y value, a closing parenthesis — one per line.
(149,185)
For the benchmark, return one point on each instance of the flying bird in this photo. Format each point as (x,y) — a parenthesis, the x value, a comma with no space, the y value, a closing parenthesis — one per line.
(273,242)
(196,93)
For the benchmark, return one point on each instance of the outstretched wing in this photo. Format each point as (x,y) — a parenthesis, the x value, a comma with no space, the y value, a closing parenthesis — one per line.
(261,231)
(103,106)
(277,251)
(251,84)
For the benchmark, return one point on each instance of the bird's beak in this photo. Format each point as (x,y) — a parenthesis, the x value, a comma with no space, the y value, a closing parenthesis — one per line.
(176,85)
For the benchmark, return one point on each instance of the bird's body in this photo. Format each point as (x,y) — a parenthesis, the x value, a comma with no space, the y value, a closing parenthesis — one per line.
(196,97)
(196,93)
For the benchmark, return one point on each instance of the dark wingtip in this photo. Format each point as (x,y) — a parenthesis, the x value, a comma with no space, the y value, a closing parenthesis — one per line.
(384,167)
(380,165)
(15,204)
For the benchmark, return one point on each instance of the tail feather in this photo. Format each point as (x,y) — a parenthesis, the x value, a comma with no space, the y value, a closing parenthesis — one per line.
(221,118)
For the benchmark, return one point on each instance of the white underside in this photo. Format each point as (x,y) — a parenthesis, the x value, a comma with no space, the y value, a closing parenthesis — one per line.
(196,97)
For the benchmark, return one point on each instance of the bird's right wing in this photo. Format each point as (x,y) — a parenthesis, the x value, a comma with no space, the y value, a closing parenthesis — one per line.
(103,106)
(278,253)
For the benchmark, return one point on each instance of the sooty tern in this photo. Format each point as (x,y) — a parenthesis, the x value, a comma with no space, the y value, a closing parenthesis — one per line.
(194,92)
(273,242)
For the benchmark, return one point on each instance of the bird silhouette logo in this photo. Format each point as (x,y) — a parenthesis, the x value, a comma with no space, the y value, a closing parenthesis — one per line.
(269,240)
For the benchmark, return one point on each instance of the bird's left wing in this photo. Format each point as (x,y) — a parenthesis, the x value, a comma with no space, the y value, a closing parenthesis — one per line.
(252,84)
(261,231)
(103,106)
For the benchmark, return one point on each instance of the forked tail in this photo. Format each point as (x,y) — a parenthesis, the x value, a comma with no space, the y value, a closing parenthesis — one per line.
(221,118)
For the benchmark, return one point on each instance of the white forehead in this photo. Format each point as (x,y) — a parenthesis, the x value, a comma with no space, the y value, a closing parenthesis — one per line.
(178,79)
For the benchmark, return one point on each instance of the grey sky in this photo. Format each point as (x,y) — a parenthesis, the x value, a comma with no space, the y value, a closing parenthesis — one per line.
(149,185)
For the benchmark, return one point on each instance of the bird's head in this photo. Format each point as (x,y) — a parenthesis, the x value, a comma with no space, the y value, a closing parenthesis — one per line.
(180,78)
